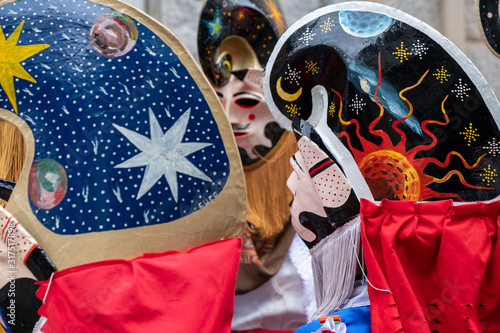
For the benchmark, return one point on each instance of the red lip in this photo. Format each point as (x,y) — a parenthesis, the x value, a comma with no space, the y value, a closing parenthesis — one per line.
(239,134)
(239,130)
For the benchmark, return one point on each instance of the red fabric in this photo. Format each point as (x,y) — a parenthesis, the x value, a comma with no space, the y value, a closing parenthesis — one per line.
(441,262)
(189,291)
(258,330)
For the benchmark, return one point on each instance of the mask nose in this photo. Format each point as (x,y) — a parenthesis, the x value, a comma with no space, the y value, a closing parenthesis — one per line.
(229,106)
(231,113)
(292,181)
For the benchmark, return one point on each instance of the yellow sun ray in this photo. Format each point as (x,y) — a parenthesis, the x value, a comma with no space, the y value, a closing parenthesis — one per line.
(11,55)
(275,13)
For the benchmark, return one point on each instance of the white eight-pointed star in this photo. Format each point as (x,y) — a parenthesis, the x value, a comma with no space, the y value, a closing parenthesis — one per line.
(163,154)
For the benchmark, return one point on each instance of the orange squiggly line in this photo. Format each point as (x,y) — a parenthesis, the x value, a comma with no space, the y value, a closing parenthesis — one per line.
(399,121)
(406,100)
(447,161)
(355,122)
(378,86)
(428,193)
(429,133)
(345,123)
(462,180)
(447,120)
(371,128)
(348,138)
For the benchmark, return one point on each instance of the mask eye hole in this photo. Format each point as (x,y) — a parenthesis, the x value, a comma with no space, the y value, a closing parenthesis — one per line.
(247,102)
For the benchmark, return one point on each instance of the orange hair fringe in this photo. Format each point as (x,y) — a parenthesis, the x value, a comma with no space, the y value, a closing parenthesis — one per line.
(12,153)
(267,193)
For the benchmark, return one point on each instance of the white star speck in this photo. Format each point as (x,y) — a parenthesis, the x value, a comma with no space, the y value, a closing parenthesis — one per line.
(419,49)
(164,154)
(461,90)
(307,36)
(357,104)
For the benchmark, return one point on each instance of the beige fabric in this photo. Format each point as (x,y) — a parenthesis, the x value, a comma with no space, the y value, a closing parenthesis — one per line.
(251,276)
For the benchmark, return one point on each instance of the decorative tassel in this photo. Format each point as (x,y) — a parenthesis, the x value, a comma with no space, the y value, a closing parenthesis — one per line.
(268,196)
(12,153)
(334,264)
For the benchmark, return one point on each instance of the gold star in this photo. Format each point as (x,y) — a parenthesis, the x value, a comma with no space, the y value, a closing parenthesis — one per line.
(11,55)
(441,74)
(401,53)
(327,25)
(470,134)
(332,109)
(312,67)
(293,109)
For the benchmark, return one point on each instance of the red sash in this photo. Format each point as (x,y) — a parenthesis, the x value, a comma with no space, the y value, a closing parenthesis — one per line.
(189,291)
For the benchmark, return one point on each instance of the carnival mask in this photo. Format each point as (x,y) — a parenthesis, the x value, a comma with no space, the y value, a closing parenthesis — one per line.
(323,197)
(407,118)
(403,111)
(234,43)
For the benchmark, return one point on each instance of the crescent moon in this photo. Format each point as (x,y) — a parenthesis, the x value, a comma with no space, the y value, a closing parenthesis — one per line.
(286,96)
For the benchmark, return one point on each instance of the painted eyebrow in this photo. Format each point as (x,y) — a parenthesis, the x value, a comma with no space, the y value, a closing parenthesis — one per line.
(320,167)
(246,93)
(297,162)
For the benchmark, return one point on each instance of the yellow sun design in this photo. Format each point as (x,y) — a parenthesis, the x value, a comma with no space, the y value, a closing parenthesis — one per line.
(275,13)
(11,55)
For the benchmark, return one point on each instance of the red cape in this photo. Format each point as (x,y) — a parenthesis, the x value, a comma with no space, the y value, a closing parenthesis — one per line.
(441,262)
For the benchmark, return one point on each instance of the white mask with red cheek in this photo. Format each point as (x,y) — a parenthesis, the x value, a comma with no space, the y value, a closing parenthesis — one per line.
(305,197)
(331,184)
(247,111)
(316,182)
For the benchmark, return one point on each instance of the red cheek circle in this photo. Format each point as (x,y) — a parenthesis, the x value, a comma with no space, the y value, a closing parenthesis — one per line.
(251,116)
